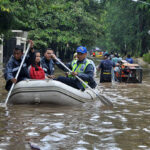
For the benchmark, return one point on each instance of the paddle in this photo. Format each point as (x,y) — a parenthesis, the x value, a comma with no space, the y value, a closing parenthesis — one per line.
(102,98)
(9,93)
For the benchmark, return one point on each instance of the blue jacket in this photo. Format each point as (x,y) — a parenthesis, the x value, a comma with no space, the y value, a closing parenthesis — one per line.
(12,68)
(129,60)
(106,65)
(49,66)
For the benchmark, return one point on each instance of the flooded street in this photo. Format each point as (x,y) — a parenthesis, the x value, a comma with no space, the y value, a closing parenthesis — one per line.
(126,126)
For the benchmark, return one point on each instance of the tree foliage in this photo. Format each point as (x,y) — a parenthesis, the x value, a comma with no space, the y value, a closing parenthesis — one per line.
(120,26)
(5,16)
(58,23)
(125,25)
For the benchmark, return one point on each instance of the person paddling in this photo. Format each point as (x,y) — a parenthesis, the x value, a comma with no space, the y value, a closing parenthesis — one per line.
(82,68)
(13,66)
(92,62)
(48,63)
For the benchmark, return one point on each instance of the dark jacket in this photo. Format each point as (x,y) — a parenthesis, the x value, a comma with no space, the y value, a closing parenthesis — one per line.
(106,68)
(12,69)
(49,66)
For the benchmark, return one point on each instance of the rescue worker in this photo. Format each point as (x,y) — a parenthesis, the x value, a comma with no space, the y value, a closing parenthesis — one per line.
(106,67)
(92,62)
(81,68)
(48,63)
(13,66)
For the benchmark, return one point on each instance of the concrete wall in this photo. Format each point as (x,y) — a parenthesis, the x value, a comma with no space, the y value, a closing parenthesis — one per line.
(1,52)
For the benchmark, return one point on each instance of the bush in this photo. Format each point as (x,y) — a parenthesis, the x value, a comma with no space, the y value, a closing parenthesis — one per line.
(146,57)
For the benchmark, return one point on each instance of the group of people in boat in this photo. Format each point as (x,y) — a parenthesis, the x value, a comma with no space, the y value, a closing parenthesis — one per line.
(35,67)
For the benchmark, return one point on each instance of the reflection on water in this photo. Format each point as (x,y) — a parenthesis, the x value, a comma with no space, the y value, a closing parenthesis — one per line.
(125,126)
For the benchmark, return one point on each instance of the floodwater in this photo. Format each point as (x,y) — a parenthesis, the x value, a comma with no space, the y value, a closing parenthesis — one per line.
(125,126)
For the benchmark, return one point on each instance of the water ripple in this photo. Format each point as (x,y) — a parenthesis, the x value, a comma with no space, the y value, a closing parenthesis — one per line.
(55,137)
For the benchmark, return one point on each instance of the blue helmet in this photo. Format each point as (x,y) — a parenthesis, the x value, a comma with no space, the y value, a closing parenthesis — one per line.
(81,49)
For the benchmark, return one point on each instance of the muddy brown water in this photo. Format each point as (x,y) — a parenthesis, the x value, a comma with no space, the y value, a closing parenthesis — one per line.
(125,126)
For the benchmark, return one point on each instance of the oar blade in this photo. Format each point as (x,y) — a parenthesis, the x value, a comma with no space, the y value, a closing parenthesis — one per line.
(102,97)
(105,100)
(3,105)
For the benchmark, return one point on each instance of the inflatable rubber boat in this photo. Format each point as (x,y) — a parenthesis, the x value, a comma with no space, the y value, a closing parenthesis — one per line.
(48,92)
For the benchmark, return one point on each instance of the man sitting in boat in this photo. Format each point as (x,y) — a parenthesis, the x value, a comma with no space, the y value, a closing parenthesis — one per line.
(106,66)
(35,70)
(13,66)
(48,62)
(92,62)
(81,68)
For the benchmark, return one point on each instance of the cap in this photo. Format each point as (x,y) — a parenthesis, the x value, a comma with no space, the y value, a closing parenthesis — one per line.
(81,49)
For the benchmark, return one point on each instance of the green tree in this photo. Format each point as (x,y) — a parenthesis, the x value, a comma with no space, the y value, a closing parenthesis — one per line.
(5,16)
(125,25)
(55,23)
